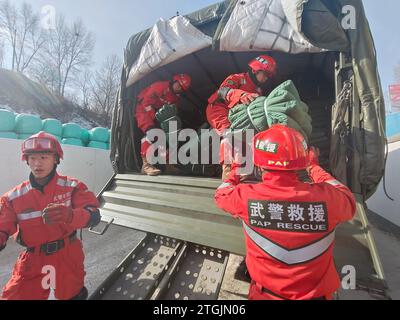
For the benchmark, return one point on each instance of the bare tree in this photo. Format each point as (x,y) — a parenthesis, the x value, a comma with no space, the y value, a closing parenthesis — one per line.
(8,27)
(21,28)
(105,86)
(83,85)
(68,50)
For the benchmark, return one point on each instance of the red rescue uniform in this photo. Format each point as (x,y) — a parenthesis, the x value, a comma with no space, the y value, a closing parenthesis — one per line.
(218,107)
(21,215)
(149,101)
(289,228)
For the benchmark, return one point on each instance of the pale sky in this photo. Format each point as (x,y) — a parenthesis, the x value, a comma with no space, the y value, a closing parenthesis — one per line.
(114,21)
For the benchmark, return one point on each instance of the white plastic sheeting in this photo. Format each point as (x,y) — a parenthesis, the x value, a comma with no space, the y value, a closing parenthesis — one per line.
(293,10)
(169,41)
(262,25)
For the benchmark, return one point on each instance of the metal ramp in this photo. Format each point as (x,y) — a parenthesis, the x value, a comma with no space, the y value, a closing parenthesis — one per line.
(173,206)
(162,268)
(188,234)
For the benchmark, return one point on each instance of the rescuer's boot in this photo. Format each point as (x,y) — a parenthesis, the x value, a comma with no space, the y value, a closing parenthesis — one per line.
(148,169)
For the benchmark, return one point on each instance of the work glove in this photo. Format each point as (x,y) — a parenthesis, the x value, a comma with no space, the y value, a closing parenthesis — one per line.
(166,112)
(247,98)
(57,213)
(3,240)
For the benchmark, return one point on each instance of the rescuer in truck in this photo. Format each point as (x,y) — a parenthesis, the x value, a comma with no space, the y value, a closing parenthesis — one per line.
(241,88)
(149,101)
(289,225)
(44,214)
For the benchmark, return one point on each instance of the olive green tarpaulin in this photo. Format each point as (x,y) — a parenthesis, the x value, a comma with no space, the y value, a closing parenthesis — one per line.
(282,106)
(319,21)
(325,25)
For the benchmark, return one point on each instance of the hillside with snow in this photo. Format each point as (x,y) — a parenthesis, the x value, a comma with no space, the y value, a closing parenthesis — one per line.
(22,95)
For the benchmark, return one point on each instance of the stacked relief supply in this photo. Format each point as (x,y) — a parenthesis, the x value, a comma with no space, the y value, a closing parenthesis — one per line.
(7,124)
(22,126)
(27,125)
(99,138)
(71,134)
(54,127)
(85,137)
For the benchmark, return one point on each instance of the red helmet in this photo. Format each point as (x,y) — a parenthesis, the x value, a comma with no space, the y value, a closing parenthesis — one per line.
(263,63)
(280,148)
(184,80)
(41,142)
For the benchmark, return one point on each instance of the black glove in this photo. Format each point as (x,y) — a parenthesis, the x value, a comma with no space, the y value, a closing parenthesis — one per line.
(166,112)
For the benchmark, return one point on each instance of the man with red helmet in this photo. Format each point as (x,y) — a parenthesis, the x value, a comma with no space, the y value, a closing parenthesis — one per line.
(289,225)
(240,88)
(44,214)
(149,101)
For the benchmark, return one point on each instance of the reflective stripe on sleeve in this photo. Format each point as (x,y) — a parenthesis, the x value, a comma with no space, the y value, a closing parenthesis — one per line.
(29,215)
(334,183)
(294,256)
(19,192)
(224,185)
(66,183)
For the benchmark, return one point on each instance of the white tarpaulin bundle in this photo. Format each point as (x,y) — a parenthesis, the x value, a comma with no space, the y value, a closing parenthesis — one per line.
(254,25)
(263,25)
(169,40)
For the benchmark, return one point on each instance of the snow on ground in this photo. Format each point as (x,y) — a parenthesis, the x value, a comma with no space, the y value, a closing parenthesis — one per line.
(6,107)
(76,118)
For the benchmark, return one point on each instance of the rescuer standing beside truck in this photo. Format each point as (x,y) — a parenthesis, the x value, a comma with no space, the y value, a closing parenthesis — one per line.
(289,225)
(44,213)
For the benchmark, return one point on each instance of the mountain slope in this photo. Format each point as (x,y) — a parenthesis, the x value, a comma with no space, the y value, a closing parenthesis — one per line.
(22,95)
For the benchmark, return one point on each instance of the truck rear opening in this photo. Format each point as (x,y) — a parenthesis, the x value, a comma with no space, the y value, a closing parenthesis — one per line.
(182,208)
(176,209)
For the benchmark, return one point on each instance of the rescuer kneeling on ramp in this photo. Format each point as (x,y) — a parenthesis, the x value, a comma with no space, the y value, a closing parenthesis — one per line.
(289,225)
(44,213)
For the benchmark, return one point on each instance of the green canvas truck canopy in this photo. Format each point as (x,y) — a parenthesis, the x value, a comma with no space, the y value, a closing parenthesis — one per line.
(219,39)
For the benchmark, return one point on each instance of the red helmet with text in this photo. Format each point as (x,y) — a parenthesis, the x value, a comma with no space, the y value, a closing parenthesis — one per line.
(280,148)
(41,142)
(184,80)
(263,63)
